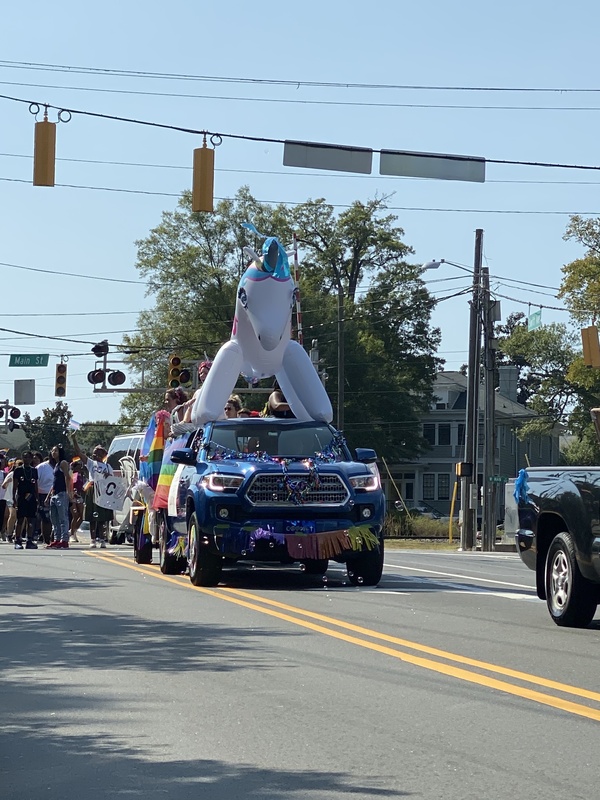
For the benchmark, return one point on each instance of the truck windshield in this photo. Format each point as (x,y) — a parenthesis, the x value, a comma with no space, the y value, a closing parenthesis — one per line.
(303,439)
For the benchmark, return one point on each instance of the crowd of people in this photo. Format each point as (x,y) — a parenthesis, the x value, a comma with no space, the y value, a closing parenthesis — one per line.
(44,500)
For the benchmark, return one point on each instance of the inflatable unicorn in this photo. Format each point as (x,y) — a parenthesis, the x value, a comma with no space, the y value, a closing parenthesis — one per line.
(260,344)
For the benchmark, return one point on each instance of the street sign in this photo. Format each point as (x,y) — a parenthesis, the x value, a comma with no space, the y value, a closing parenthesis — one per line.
(534,321)
(28,360)
(25,393)
(497,479)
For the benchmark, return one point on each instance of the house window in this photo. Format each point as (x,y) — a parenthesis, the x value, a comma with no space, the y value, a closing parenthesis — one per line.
(461,434)
(428,487)
(429,433)
(443,486)
(444,433)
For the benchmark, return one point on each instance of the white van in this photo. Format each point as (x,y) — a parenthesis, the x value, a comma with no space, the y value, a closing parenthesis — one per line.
(126,444)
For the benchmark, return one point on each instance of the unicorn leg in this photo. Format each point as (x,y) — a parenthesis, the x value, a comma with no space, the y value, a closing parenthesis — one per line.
(302,386)
(218,385)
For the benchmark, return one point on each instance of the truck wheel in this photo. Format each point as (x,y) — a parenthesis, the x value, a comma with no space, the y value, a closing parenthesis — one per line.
(316,566)
(169,564)
(366,568)
(142,543)
(205,567)
(571,599)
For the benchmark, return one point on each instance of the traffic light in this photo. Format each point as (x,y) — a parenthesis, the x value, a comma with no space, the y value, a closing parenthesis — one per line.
(44,152)
(100,349)
(116,377)
(591,346)
(203,178)
(60,381)
(174,378)
(96,376)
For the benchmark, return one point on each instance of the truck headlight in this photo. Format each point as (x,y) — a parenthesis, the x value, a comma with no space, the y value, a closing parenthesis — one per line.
(217,482)
(365,483)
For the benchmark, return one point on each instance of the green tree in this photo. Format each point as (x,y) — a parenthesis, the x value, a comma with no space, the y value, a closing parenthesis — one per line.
(353,262)
(49,429)
(580,286)
(92,433)
(545,356)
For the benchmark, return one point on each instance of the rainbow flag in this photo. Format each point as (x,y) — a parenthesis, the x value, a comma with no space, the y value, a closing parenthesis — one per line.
(155,454)
(145,470)
(167,472)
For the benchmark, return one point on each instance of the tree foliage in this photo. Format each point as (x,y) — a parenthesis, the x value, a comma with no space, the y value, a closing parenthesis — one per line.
(52,428)
(193,262)
(49,429)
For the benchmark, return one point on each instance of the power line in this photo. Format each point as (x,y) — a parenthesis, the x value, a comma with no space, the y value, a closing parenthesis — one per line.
(303,174)
(32,65)
(288,101)
(565,213)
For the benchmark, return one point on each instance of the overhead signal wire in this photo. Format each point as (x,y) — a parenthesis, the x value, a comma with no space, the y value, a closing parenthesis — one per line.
(264,139)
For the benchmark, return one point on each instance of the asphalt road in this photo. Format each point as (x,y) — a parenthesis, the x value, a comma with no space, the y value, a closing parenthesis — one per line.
(449,681)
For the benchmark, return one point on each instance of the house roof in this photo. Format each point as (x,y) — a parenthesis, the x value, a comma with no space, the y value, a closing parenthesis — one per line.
(452,380)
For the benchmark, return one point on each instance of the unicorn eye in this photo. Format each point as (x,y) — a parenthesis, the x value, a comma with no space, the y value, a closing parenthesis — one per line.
(243,298)
(295,296)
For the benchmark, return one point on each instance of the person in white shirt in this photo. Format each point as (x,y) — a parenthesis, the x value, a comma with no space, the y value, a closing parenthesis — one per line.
(98,517)
(7,485)
(45,471)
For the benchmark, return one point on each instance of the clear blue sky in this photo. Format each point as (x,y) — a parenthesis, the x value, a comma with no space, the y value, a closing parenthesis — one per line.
(523,210)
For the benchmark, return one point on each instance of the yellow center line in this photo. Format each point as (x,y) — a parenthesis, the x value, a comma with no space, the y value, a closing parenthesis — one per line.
(237,597)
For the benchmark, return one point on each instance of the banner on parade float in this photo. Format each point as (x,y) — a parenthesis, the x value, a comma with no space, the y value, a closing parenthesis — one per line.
(109,492)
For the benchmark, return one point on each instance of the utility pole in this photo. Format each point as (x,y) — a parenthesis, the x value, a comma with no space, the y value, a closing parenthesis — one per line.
(468,496)
(340,360)
(488,535)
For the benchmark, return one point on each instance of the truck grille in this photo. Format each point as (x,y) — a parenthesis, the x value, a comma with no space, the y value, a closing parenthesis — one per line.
(267,490)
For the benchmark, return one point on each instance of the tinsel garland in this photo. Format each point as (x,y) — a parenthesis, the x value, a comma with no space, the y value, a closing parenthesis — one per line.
(300,546)
(296,488)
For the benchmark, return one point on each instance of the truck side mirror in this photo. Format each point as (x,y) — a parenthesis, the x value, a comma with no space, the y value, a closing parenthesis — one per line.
(366,455)
(184,456)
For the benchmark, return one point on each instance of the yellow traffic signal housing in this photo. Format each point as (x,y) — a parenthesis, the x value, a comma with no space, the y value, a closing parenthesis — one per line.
(60,381)
(44,153)
(591,346)
(174,379)
(203,179)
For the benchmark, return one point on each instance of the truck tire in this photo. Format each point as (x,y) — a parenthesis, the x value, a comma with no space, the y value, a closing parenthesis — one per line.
(366,568)
(169,564)
(205,567)
(571,599)
(142,543)
(316,566)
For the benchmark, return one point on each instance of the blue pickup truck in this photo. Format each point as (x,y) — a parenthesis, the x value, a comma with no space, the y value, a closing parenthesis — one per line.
(275,491)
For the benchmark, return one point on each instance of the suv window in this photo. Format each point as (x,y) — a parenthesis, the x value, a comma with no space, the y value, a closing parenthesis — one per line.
(119,447)
(135,447)
(299,440)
